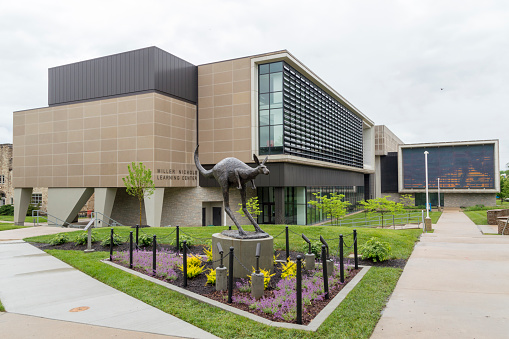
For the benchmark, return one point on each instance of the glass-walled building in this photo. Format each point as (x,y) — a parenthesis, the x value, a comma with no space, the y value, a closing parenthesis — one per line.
(150,106)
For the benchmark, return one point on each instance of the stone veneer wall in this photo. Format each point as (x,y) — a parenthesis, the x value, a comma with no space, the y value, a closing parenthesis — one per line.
(469,199)
(181,206)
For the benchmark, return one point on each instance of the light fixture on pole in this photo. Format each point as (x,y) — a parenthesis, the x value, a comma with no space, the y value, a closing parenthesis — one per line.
(426,171)
(438,179)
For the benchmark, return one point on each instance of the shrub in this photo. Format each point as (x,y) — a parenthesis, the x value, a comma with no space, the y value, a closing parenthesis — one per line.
(7,210)
(116,240)
(189,241)
(82,238)
(144,240)
(59,239)
(31,208)
(211,277)
(375,250)
(193,267)
(316,248)
(208,253)
(289,270)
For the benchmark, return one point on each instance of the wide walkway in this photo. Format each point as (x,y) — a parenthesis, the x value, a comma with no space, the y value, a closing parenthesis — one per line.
(35,287)
(455,285)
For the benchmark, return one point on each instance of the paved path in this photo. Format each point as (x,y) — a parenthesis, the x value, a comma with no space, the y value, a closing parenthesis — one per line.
(35,285)
(455,285)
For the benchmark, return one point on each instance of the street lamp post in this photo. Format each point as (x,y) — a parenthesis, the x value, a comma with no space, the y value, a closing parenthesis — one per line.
(438,179)
(427,221)
(426,170)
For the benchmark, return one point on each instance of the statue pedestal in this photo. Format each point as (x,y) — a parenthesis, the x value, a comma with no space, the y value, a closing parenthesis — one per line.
(245,251)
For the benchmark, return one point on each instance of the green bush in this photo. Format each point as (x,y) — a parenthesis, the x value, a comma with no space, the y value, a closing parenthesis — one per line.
(316,248)
(32,208)
(375,250)
(59,239)
(82,238)
(116,240)
(189,241)
(7,210)
(144,240)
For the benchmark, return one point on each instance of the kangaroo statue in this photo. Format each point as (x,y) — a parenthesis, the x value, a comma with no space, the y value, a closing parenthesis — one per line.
(233,172)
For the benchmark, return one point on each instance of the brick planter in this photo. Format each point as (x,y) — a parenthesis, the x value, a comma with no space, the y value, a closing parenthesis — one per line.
(494,214)
(501,224)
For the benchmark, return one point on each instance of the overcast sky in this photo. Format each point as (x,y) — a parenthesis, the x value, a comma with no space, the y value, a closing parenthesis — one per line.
(429,70)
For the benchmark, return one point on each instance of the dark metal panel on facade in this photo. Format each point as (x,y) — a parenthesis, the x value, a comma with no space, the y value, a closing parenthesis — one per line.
(389,172)
(147,69)
(293,175)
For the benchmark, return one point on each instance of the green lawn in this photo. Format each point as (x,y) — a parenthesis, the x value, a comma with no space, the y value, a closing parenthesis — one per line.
(478,217)
(364,220)
(401,241)
(27,219)
(356,317)
(5,227)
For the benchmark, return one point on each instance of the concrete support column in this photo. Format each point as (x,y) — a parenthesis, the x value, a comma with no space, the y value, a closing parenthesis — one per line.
(22,198)
(279,202)
(154,207)
(65,203)
(103,204)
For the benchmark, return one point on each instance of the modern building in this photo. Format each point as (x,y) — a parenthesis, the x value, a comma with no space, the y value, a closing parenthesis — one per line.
(466,173)
(150,106)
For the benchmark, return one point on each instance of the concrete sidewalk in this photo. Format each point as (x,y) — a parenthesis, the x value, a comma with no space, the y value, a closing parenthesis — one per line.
(37,285)
(455,285)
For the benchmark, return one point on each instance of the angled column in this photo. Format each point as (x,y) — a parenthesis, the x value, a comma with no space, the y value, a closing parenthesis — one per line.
(104,199)
(22,197)
(154,207)
(65,203)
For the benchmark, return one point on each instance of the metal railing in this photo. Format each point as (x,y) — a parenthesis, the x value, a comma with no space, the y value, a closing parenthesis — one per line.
(102,220)
(50,219)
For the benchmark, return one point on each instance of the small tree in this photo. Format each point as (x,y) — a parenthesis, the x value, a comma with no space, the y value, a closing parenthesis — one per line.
(253,207)
(504,188)
(407,200)
(139,182)
(382,206)
(335,205)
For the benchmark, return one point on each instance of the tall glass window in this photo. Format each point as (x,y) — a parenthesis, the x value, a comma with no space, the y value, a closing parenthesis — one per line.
(270,89)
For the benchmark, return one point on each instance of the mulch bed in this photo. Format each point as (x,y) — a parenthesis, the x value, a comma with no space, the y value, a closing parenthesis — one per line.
(198,284)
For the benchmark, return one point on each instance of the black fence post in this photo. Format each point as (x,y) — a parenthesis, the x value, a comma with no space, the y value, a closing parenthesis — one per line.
(184,261)
(341,264)
(131,249)
(287,244)
(299,290)
(111,245)
(177,241)
(137,233)
(324,270)
(230,277)
(356,259)
(154,254)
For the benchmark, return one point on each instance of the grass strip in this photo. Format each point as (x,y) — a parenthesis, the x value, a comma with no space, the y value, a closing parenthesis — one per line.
(6,227)
(478,217)
(356,317)
(401,241)
(2,309)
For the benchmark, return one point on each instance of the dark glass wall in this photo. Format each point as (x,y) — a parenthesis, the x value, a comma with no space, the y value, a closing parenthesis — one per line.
(459,167)
(299,118)
(389,172)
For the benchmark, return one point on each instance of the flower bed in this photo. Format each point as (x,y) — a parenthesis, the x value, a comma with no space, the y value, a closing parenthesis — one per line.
(279,300)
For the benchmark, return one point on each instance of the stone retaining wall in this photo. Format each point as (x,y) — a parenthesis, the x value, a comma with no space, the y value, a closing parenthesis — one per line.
(502,225)
(494,214)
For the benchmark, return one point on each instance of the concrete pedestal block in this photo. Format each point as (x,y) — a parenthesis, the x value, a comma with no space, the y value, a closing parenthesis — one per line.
(427,223)
(330,267)
(257,285)
(245,250)
(221,278)
(310,262)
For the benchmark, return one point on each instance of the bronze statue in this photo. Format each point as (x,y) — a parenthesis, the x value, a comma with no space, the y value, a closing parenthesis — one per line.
(233,172)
